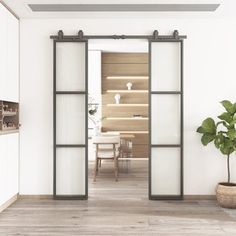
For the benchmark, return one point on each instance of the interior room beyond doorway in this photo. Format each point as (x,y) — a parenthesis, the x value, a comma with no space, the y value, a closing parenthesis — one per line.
(118,106)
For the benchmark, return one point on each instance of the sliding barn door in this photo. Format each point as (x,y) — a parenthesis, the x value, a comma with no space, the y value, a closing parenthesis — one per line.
(166,119)
(70,119)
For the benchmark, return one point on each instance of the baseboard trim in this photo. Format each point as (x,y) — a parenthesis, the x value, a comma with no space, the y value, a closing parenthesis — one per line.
(185,197)
(9,202)
(199,197)
(35,197)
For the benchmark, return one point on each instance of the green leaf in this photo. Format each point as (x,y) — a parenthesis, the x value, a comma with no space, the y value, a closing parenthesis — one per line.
(219,139)
(229,107)
(226,117)
(233,122)
(200,130)
(228,143)
(223,150)
(227,146)
(226,150)
(207,138)
(208,125)
(234,108)
(232,134)
(217,142)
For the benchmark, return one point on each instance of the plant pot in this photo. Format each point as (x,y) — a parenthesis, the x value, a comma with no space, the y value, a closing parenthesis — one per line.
(226,195)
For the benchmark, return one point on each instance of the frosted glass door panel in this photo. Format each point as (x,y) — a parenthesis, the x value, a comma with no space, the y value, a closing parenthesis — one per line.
(70,64)
(165,172)
(70,113)
(165,119)
(165,69)
(70,174)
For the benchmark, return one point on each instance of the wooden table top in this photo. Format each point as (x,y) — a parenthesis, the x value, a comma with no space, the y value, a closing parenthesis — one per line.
(128,136)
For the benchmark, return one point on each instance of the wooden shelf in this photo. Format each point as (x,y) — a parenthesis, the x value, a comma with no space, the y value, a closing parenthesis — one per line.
(9,113)
(127,91)
(127,105)
(127,118)
(127,77)
(9,128)
(129,132)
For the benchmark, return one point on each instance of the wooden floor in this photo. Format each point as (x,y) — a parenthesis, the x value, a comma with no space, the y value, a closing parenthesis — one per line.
(117,208)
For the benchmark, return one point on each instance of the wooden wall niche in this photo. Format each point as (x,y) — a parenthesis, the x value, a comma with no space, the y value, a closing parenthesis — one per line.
(9,116)
(117,70)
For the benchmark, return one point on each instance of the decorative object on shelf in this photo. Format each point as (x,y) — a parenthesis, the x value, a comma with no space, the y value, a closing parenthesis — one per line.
(117,98)
(225,140)
(9,116)
(129,86)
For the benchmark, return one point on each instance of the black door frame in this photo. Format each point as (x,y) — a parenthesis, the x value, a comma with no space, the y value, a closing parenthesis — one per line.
(80,37)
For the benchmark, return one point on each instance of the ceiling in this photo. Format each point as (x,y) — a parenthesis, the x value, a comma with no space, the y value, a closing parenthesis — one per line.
(227,9)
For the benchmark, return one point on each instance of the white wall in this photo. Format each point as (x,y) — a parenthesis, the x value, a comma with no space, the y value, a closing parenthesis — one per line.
(94,90)
(9,59)
(209,78)
(9,90)
(94,86)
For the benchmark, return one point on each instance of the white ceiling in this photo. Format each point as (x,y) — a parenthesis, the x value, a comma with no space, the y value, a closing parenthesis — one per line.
(227,9)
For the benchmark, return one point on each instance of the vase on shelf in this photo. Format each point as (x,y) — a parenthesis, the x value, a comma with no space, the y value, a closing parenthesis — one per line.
(129,86)
(117,98)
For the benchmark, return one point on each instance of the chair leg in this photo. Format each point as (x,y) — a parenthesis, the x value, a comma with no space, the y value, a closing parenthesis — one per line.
(100,163)
(116,168)
(97,163)
(95,170)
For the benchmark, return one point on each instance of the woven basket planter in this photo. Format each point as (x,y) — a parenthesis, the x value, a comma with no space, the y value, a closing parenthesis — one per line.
(226,195)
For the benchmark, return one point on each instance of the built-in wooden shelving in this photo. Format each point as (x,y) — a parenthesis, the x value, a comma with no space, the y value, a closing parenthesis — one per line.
(130,116)
(9,117)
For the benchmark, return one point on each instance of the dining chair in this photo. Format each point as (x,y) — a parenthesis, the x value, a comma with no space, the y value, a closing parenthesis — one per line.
(107,147)
(126,153)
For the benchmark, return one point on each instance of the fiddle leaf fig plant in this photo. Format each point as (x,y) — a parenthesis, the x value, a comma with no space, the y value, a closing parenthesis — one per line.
(222,133)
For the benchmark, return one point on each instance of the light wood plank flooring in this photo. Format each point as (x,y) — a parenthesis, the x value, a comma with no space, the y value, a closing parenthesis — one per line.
(117,208)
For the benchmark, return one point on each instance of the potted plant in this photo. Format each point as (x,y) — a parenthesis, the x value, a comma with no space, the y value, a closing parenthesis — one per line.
(223,134)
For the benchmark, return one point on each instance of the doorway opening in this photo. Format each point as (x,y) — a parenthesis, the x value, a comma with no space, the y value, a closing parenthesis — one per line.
(118,86)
